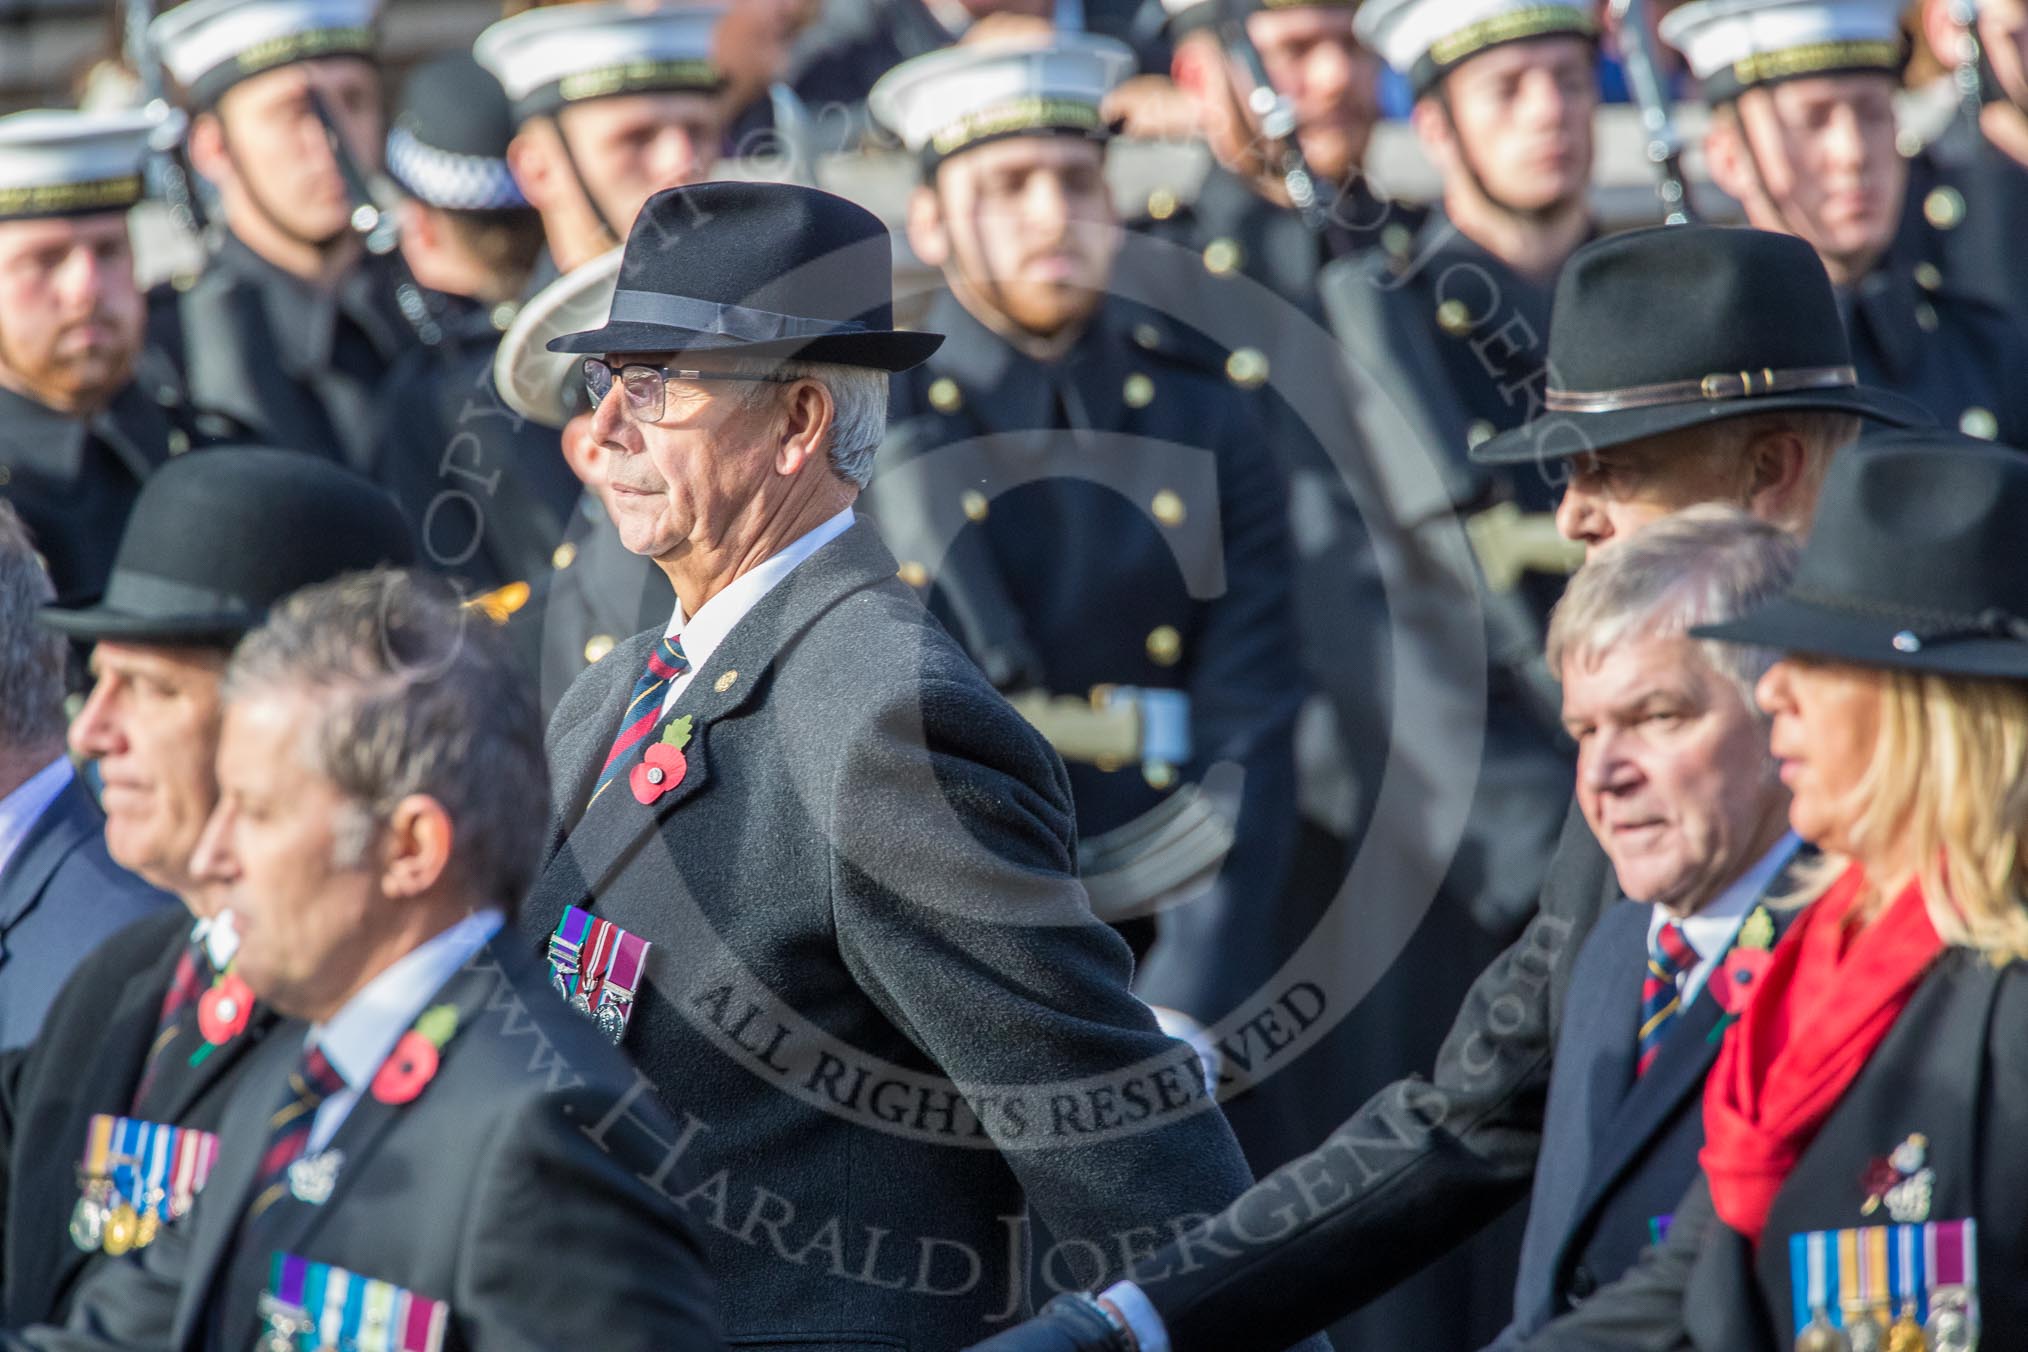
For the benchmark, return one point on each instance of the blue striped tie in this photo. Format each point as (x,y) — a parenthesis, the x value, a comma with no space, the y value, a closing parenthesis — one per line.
(644,710)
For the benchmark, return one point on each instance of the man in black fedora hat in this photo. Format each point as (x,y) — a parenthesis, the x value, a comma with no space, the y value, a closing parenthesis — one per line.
(1742,400)
(152,1027)
(807,866)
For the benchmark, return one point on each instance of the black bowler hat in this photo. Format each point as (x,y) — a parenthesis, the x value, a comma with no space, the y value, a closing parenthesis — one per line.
(757,269)
(1915,562)
(1658,330)
(218,536)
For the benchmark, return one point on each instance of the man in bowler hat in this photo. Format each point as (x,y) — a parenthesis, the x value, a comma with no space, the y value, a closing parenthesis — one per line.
(152,1027)
(1741,398)
(443,1170)
(807,865)
(60,893)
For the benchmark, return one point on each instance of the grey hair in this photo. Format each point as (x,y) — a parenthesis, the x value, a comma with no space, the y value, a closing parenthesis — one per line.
(415,695)
(32,657)
(859,395)
(1707,565)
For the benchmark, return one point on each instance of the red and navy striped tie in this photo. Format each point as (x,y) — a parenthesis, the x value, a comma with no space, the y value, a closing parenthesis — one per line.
(179,1011)
(644,710)
(289,1129)
(1670,956)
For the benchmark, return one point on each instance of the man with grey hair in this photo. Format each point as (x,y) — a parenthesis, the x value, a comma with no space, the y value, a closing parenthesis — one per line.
(381,784)
(60,891)
(1675,782)
(806,865)
(153,1027)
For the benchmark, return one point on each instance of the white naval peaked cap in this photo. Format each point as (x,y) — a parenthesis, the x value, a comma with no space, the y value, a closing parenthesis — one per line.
(562,54)
(1187,15)
(962,96)
(1735,45)
(211,45)
(540,385)
(1426,40)
(55,162)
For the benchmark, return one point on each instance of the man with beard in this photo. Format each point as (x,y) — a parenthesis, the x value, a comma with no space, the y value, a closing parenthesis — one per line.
(292,323)
(151,1031)
(1972,181)
(1241,222)
(611,103)
(85,417)
(1803,133)
(1090,506)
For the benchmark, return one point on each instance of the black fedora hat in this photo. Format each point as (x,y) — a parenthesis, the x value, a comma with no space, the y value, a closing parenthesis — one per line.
(218,536)
(1672,327)
(1914,563)
(757,269)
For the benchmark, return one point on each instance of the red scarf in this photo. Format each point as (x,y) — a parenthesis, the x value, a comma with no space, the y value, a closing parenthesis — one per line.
(1825,1002)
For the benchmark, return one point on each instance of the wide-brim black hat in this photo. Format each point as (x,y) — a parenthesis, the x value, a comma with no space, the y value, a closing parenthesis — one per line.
(760,270)
(1673,327)
(217,537)
(1914,563)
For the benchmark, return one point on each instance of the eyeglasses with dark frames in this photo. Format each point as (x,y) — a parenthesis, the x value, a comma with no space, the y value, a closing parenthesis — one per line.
(644,389)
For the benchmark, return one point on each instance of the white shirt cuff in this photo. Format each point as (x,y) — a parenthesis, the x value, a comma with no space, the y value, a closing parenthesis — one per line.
(1139,1312)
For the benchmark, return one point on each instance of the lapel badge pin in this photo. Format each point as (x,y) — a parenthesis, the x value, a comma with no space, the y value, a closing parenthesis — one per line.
(1903,1182)
(312,1177)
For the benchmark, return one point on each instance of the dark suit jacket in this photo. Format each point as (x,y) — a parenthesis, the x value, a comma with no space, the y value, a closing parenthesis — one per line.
(1075,569)
(876,991)
(292,365)
(1420,1168)
(1617,1151)
(1951,1069)
(60,895)
(89,1060)
(505,1189)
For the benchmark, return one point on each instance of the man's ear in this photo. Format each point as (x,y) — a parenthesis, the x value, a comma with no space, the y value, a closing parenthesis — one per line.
(415,852)
(927,234)
(531,158)
(1724,154)
(808,415)
(418,224)
(208,155)
(1433,128)
(1779,464)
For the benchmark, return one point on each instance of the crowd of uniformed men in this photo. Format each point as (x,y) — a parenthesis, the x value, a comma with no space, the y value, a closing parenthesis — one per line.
(599,746)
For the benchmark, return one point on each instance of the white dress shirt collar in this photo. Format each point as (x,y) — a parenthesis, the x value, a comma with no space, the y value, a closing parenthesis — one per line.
(704,632)
(1712,930)
(358,1038)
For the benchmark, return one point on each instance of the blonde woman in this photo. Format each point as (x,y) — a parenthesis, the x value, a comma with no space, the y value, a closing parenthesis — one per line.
(1865,1171)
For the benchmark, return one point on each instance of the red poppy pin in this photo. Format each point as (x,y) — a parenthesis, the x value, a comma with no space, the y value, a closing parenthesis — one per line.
(663,768)
(223,1010)
(413,1062)
(1740,974)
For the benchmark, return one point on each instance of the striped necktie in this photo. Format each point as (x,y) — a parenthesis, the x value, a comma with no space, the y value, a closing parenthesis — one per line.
(289,1129)
(179,1011)
(1670,958)
(644,710)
